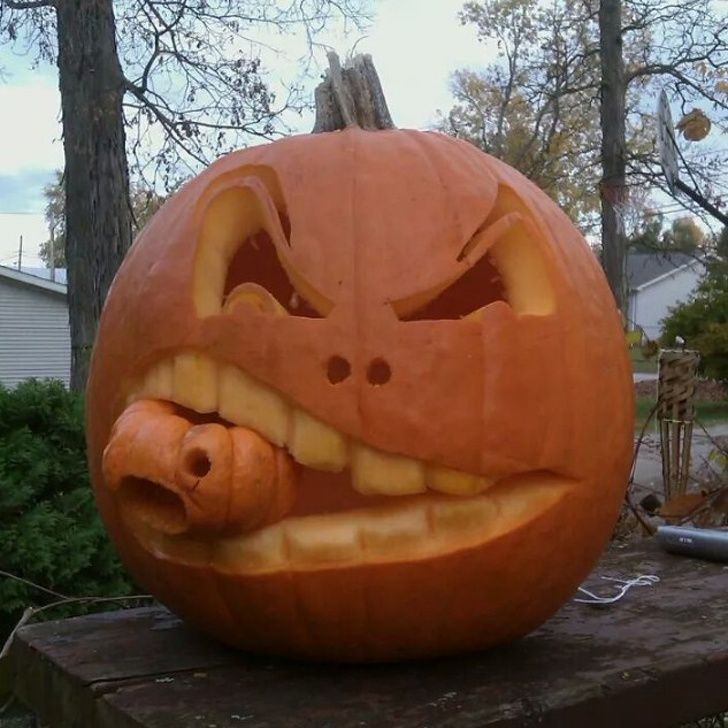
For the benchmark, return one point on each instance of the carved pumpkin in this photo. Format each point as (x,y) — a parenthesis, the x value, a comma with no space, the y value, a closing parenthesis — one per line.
(360,395)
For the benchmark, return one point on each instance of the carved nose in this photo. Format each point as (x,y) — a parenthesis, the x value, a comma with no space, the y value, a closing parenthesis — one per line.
(378,372)
(338,369)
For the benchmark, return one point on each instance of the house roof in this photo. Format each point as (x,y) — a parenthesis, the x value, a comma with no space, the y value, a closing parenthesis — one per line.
(644,268)
(59,273)
(22,276)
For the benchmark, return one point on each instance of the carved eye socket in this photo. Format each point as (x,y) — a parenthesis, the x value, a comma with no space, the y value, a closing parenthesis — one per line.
(256,262)
(244,255)
(504,260)
(478,287)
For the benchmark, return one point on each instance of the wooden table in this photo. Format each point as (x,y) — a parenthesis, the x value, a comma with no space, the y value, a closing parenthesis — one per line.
(657,658)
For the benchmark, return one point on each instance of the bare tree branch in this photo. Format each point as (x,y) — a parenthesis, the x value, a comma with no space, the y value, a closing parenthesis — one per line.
(167,84)
(29,4)
(546,105)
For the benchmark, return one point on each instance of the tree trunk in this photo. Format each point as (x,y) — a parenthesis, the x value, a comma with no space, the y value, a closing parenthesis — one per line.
(98,220)
(612,114)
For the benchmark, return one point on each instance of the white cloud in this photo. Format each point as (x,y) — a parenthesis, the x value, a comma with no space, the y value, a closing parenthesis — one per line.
(34,230)
(30,133)
(416,46)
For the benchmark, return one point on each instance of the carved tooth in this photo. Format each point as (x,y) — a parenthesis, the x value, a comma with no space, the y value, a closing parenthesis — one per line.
(261,550)
(386,474)
(456,482)
(159,381)
(315,444)
(248,402)
(195,382)
(403,530)
(460,516)
(320,540)
(535,492)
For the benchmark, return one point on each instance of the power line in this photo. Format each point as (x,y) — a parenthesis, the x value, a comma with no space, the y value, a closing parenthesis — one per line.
(23,212)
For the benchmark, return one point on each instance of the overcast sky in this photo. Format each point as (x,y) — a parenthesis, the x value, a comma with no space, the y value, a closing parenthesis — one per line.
(416,45)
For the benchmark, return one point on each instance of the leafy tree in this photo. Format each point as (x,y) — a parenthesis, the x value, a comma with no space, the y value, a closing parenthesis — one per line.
(721,244)
(549,83)
(649,238)
(686,235)
(144,203)
(55,214)
(703,321)
(50,531)
(683,236)
(185,71)
(533,107)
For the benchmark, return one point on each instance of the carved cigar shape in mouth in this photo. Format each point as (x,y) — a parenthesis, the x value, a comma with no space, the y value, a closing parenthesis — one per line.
(184,478)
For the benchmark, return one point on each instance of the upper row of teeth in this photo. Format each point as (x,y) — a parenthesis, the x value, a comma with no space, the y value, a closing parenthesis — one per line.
(197,382)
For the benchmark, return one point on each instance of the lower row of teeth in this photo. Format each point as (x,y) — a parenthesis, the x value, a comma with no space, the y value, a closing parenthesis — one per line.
(415,529)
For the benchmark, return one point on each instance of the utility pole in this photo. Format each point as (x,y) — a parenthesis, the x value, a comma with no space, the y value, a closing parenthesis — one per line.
(612,117)
(53,252)
(20,253)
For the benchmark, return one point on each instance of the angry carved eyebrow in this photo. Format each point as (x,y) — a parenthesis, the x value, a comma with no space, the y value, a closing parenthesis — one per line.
(471,255)
(486,236)
(233,216)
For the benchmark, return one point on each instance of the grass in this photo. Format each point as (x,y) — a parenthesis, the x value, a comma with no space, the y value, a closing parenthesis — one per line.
(640,365)
(705,411)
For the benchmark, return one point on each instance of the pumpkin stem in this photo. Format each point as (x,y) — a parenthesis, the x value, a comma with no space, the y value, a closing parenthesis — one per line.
(351,96)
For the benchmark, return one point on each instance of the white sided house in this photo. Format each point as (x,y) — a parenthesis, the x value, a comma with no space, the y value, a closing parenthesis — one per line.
(35,339)
(657,282)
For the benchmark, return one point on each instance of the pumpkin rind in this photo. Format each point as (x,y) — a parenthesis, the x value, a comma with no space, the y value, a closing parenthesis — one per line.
(369,227)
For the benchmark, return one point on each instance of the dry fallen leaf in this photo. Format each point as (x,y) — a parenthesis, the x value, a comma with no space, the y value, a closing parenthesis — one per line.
(681,505)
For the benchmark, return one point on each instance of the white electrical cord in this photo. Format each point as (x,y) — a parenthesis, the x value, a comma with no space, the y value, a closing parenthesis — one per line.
(626,585)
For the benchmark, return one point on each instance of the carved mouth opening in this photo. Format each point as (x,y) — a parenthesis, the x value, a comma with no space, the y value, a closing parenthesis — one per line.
(153,504)
(337,522)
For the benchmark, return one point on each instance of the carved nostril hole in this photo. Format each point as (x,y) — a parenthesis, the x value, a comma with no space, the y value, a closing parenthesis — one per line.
(338,369)
(197,463)
(378,372)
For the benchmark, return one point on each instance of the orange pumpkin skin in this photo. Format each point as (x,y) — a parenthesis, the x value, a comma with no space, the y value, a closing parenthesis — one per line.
(532,393)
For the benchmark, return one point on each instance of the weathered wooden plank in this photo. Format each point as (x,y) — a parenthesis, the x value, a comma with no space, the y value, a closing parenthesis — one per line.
(658,658)
(62,667)
(118,645)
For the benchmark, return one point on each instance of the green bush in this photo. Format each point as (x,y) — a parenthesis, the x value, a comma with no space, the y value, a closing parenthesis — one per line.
(703,322)
(50,531)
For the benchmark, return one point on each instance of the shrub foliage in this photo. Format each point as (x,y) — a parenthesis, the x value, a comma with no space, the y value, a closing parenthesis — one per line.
(703,321)
(50,531)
